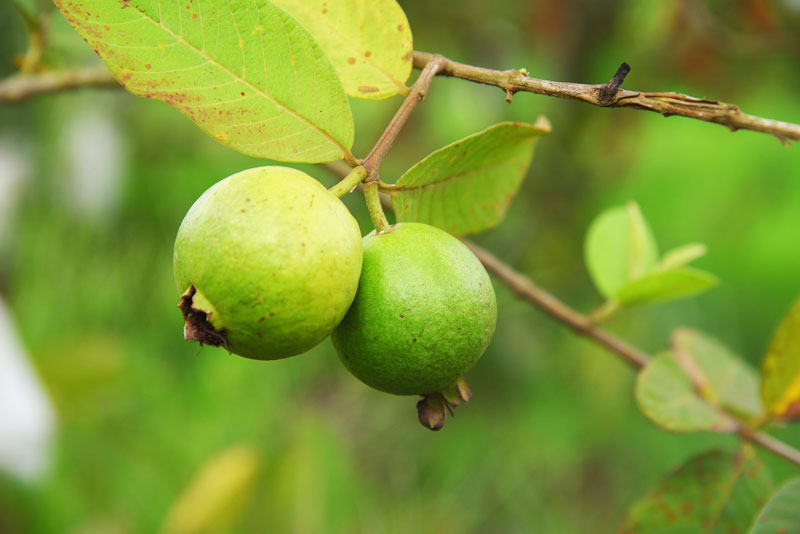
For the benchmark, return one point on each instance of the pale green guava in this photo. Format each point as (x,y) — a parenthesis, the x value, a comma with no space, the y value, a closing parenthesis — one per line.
(424,313)
(267,262)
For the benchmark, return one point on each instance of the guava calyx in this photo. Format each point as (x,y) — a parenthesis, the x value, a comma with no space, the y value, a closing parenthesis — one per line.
(433,408)
(197,327)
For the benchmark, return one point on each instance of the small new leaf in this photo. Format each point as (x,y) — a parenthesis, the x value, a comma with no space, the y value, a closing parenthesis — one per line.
(466,187)
(782,512)
(368,41)
(619,248)
(716,492)
(780,388)
(244,71)
(659,286)
(683,255)
(622,259)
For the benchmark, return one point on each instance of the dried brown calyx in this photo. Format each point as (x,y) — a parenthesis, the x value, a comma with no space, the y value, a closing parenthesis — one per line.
(197,326)
(434,407)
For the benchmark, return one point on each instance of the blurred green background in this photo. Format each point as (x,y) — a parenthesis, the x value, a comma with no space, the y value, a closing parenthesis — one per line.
(551,441)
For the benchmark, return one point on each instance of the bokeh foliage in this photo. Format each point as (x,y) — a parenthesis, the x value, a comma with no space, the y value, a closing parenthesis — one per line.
(552,427)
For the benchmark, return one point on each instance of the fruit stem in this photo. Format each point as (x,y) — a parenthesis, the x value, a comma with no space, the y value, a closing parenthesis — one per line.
(349,182)
(373,197)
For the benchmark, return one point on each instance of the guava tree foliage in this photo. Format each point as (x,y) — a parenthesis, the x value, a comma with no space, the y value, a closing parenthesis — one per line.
(272,79)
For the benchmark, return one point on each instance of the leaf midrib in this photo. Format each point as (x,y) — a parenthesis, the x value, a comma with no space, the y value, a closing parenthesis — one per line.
(400,85)
(736,474)
(212,60)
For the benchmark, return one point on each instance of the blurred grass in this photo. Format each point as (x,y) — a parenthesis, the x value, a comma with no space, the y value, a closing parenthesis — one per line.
(551,441)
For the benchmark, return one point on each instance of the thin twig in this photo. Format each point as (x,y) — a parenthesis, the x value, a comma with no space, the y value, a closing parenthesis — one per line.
(771,443)
(666,103)
(376,156)
(579,323)
(21,86)
(582,325)
(372,163)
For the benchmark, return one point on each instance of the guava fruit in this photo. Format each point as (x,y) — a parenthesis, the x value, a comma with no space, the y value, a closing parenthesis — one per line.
(423,315)
(267,262)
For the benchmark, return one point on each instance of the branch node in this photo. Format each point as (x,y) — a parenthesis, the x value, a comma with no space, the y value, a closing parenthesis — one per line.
(509,95)
(607,92)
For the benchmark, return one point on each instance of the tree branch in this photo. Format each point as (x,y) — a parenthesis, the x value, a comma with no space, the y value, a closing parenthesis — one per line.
(770,443)
(21,86)
(608,95)
(582,325)
(579,323)
(378,153)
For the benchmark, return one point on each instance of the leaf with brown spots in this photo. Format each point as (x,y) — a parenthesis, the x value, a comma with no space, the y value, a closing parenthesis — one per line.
(691,388)
(368,41)
(467,186)
(714,493)
(781,515)
(780,388)
(242,70)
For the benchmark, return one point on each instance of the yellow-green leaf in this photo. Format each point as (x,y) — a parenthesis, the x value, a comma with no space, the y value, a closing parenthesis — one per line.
(215,498)
(242,70)
(780,387)
(619,248)
(714,493)
(466,187)
(368,41)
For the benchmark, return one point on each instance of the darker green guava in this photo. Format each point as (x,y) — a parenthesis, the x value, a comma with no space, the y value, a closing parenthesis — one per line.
(267,262)
(423,315)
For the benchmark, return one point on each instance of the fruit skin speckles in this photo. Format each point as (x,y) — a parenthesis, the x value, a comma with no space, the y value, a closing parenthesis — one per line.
(424,313)
(267,262)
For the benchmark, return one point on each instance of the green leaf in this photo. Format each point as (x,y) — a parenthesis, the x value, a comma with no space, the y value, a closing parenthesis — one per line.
(714,493)
(368,41)
(782,512)
(666,396)
(659,286)
(619,247)
(466,187)
(780,388)
(685,390)
(678,257)
(213,501)
(244,71)
(731,383)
